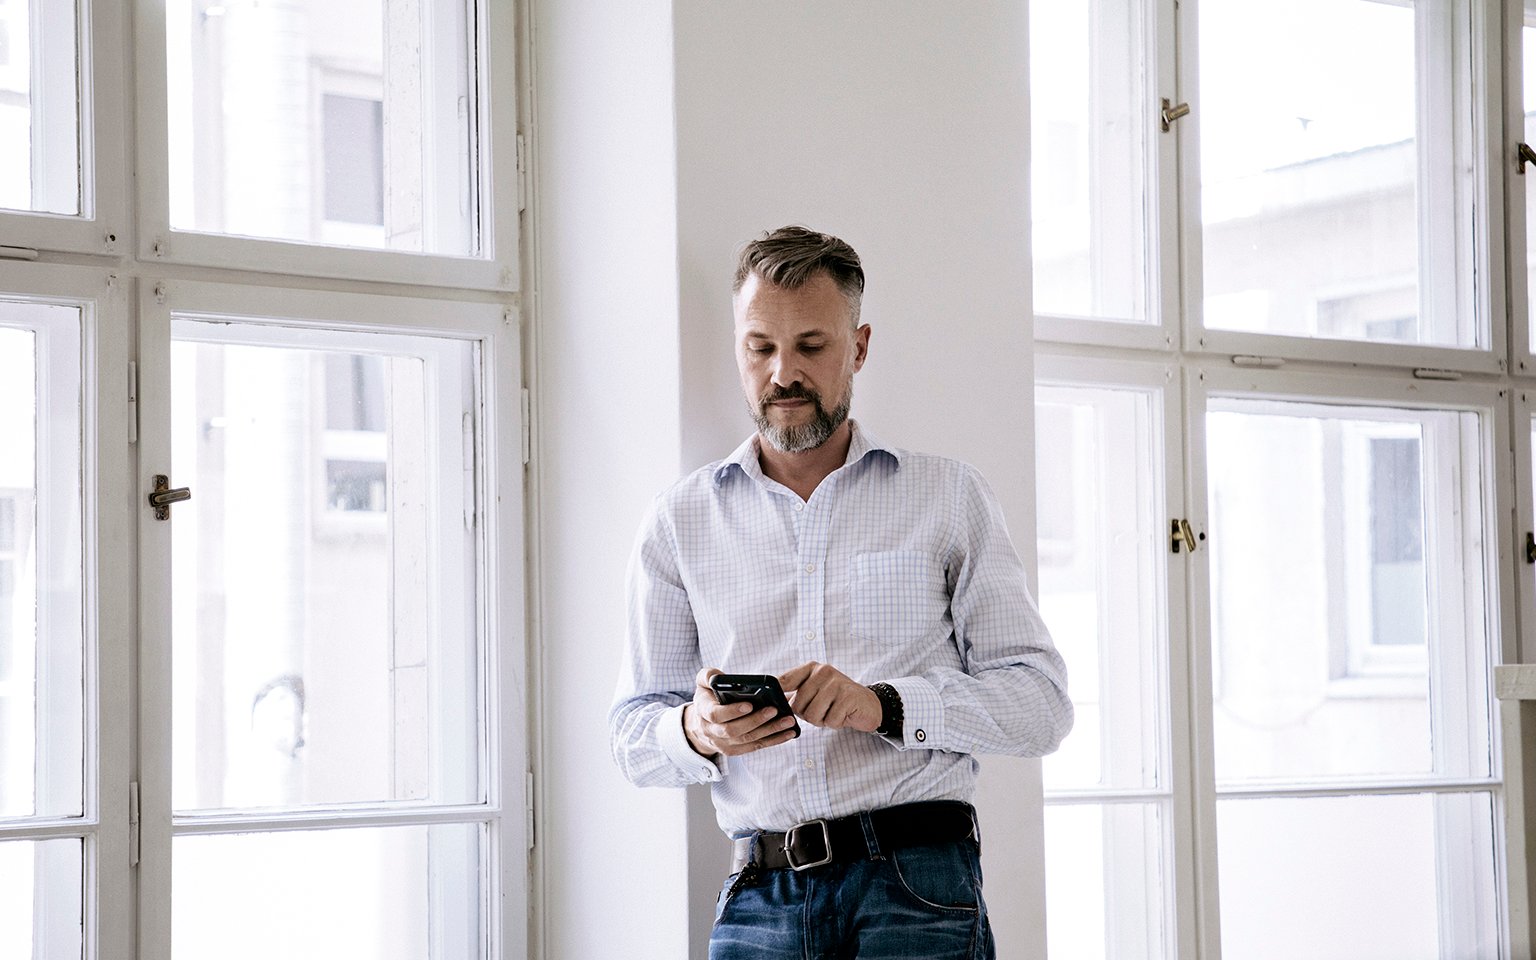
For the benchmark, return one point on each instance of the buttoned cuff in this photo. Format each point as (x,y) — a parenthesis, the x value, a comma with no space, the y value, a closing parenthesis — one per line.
(922,726)
(674,743)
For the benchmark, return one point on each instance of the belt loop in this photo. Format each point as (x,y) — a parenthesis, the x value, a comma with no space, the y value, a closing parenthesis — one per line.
(871,841)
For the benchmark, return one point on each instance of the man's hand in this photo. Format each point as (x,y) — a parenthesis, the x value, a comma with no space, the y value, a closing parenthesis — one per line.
(825,696)
(732,728)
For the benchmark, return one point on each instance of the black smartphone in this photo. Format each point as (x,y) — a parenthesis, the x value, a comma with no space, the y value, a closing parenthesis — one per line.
(760,690)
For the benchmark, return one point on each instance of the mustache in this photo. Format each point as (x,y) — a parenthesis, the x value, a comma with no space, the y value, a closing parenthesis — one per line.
(792,392)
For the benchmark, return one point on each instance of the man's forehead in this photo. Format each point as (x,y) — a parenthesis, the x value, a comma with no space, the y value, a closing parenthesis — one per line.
(816,306)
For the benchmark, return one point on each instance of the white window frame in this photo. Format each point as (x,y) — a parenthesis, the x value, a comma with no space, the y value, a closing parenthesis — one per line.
(102,225)
(106,540)
(497,183)
(1486,260)
(1173,792)
(1453,718)
(1161,298)
(1352,373)
(1515,178)
(498,495)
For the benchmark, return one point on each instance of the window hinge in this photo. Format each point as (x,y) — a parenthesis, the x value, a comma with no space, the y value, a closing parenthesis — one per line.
(133,401)
(1172,112)
(1185,534)
(1524,155)
(527,414)
(133,824)
(528,808)
(1530,547)
(522,173)
(467,433)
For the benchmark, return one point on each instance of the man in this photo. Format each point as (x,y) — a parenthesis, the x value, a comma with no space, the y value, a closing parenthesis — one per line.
(881,588)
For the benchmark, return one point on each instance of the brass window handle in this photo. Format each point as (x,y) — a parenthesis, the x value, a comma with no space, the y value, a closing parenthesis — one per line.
(1172,112)
(1184,533)
(1524,155)
(163,496)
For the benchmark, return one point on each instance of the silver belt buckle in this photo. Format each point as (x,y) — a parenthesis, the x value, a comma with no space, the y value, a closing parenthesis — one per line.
(826,844)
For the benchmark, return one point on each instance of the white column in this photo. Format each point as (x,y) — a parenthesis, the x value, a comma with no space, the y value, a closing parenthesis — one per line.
(663,140)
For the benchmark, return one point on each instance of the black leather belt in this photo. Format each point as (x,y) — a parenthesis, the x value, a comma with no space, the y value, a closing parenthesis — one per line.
(817,842)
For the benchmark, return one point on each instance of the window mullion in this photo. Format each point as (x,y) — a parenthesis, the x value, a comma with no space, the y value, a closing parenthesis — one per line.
(1194,671)
(108,536)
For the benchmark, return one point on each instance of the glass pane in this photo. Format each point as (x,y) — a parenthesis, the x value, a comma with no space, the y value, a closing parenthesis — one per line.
(1336,194)
(1107,886)
(41,899)
(1347,574)
(1088,162)
(1098,470)
(1401,877)
(39,108)
(395,893)
(344,122)
(42,647)
(324,639)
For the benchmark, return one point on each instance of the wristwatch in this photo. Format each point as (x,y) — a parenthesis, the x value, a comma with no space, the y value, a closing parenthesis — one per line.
(890,709)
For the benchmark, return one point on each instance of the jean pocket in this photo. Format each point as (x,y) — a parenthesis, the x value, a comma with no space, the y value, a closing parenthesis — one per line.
(897,595)
(944,877)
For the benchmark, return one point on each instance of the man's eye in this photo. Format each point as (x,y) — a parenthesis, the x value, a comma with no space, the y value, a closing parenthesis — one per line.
(761,349)
(812,348)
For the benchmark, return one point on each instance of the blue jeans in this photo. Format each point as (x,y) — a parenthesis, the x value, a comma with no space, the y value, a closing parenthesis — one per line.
(917,902)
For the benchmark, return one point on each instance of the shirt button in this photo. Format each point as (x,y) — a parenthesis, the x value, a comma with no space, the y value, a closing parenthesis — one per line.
(919,735)
(810,568)
(810,634)
(810,764)
(800,506)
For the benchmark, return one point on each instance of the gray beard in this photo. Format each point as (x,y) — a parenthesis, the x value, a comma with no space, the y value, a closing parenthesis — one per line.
(807,436)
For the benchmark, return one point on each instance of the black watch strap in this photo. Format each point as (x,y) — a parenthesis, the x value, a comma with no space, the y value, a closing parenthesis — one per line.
(891,718)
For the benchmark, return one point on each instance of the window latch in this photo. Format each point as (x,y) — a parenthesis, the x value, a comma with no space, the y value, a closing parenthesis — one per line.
(1524,156)
(1185,534)
(163,496)
(1530,547)
(1172,112)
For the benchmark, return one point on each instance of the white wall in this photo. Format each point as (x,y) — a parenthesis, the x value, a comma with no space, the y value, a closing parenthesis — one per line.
(901,130)
(605,374)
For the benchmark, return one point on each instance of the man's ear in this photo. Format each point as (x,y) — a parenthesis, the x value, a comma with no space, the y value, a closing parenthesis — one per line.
(860,346)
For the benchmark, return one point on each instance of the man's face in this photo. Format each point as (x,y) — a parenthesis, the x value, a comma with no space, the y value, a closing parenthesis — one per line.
(797,351)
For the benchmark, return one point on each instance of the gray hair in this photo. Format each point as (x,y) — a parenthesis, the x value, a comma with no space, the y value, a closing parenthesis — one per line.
(791,256)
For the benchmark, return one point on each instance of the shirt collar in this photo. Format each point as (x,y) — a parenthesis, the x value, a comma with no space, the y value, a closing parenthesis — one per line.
(745,457)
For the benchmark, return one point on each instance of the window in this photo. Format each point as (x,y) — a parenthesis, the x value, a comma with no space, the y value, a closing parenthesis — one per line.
(274,711)
(1310,538)
(342,139)
(1110,788)
(63,172)
(39,108)
(318,669)
(48,825)
(332,703)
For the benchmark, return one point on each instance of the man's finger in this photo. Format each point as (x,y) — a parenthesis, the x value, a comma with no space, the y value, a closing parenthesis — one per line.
(791,679)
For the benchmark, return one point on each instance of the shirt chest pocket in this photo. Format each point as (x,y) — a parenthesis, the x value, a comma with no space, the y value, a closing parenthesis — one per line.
(897,596)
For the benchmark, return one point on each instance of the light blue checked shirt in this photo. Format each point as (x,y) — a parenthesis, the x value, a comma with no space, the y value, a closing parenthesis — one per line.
(898,568)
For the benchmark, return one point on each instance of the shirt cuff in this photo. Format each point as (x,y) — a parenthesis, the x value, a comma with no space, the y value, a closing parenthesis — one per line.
(674,743)
(922,724)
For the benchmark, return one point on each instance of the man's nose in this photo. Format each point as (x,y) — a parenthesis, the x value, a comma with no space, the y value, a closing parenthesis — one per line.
(785,371)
